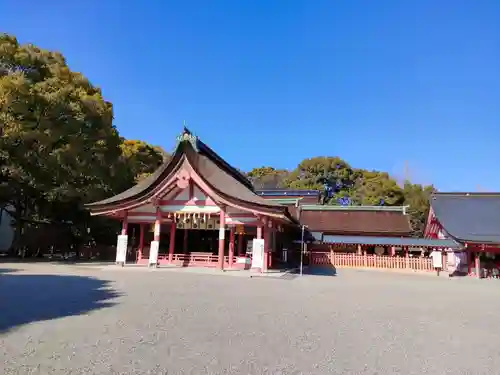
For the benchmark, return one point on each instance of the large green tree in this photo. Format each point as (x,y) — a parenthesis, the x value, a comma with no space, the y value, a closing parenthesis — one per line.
(375,188)
(141,159)
(58,139)
(58,145)
(268,178)
(417,197)
(316,173)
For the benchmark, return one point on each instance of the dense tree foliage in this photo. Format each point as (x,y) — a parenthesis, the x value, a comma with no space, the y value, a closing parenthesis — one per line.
(141,159)
(417,198)
(344,185)
(268,178)
(58,145)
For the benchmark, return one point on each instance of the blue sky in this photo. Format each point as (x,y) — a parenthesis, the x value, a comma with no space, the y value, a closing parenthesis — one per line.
(271,82)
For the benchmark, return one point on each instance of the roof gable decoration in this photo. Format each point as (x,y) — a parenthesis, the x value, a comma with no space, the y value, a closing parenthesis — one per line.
(187,136)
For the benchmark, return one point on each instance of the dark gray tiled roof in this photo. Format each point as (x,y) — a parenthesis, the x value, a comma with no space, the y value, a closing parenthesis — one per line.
(211,167)
(469,217)
(391,241)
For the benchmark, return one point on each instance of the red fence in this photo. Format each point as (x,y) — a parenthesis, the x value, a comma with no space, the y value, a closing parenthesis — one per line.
(191,259)
(370,261)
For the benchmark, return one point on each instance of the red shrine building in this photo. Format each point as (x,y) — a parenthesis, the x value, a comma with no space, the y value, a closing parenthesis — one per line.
(473,220)
(203,212)
(197,210)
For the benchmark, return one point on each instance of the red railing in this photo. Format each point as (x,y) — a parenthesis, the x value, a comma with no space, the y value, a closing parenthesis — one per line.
(198,259)
(371,261)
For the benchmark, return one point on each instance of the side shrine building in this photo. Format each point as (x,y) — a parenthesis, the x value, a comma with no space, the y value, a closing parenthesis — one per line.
(197,210)
(473,220)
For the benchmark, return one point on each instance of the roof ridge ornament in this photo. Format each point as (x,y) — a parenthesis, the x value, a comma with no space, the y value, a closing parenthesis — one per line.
(187,136)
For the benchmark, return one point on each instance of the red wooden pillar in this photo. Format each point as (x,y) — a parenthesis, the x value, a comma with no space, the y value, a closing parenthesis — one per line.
(155,244)
(267,244)
(157,230)
(231,246)
(468,261)
(171,245)
(272,246)
(141,242)
(222,234)
(240,244)
(124,225)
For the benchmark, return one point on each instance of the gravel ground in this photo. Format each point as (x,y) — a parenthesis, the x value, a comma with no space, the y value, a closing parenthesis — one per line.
(84,320)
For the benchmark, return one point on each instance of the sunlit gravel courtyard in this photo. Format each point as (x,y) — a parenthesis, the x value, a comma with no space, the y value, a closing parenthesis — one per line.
(61,319)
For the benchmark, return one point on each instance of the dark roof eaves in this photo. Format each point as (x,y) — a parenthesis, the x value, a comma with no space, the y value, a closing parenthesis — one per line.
(224,164)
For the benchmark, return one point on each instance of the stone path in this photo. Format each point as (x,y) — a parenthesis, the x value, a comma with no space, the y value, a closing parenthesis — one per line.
(58,319)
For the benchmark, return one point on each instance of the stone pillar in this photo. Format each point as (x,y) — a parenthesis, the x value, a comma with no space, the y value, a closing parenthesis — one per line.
(141,242)
(122,243)
(477,264)
(231,246)
(222,235)
(267,245)
(259,232)
(155,244)
(171,245)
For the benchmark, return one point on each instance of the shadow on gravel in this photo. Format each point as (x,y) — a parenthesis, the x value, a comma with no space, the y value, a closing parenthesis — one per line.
(31,298)
(311,271)
(8,270)
(321,271)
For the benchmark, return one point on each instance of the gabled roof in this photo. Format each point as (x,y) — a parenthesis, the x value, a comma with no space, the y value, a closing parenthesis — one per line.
(469,217)
(356,220)
(226,181)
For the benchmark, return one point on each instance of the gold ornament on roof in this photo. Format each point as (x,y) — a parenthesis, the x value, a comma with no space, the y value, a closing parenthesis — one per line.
(187,136)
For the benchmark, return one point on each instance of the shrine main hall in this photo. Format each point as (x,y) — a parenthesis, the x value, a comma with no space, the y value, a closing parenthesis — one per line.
(198,210)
